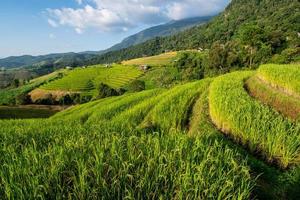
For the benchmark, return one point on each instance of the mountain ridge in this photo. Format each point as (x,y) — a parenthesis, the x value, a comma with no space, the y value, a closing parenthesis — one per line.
(73,59)
(274,21)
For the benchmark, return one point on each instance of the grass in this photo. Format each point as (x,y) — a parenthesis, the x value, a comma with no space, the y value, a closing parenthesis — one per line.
(162,59)
(8,96)
(159,77)
(86,80)
(256,126)
(105,148)
(284,77)
(24,113)
(56,159)
(271,183)
(171,114)
(281,102)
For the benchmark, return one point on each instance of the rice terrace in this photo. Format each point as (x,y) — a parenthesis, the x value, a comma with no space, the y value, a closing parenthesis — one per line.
(196,107)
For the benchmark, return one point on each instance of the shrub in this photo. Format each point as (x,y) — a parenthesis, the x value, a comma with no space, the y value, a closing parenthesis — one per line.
(66,100)
(137,86)
(23,99)
(106,91)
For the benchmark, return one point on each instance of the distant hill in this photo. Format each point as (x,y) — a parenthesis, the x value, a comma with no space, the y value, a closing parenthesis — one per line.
(73,59)
(167,29)
(270,27)
(55,60)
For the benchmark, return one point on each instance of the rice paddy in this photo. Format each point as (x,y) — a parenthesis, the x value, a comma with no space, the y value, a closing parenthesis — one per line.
(284,77)
(156,144)
(86,80)
(162,59)
(9,96)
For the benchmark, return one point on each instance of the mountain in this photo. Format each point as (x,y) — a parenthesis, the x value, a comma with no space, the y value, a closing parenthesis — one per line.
(73,59)
(167,29)
(267,28)
(69,59)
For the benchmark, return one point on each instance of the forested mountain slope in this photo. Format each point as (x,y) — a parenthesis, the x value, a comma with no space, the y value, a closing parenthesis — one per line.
(162,30)
(256,29)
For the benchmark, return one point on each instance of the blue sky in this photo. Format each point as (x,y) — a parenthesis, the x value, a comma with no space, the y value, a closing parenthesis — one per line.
(52,26)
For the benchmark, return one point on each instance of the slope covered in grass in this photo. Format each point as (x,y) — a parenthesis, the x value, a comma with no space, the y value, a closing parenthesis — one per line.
(254,125)
(88,79)
(285,104)
(162,59)
(156,144)
(80,159)
(10,96)
(284,77)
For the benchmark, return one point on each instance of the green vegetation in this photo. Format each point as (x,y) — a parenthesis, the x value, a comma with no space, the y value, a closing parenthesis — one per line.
(136,86)
(283,103)
(157,143)
(158,77)
(171,114)
(83,159)
(24,113)
(19,95)
(285,77)
(254,125)
(86,80)
(245,34)
(162,59)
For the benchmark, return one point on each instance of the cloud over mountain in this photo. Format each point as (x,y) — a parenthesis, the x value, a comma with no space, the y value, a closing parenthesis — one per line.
(120,15)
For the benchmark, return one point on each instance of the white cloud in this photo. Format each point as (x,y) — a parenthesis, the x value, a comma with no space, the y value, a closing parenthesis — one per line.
(192,8)
(52,23)
(120,15)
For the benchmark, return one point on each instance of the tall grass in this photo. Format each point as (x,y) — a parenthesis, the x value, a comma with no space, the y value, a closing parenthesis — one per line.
(8,96)
(260,128)
(50,159)
(286,77)
(172,113)
(281,102)
(162,59)
(87,79)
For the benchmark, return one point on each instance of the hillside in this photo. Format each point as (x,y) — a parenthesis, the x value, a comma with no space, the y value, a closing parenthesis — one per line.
(252,31)
(53,61)
(78,79)
(162,59)
(167,29)
(164,141)
(12,96)
(84,83)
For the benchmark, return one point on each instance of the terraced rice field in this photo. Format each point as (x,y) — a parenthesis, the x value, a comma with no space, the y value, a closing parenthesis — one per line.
(203,140)
(87,79)
(8,96)
(162,59)
(284,77)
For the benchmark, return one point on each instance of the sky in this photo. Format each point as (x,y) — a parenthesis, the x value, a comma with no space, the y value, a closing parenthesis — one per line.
(37,27)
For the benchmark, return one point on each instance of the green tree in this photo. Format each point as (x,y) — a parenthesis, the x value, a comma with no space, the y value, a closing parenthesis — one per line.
(16,83)
(106,91)
(137,86)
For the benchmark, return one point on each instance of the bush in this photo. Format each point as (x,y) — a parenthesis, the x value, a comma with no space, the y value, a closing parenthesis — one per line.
(106,91)
(23,99)
(47,100)
(85,98)
(66,100)
(137,86)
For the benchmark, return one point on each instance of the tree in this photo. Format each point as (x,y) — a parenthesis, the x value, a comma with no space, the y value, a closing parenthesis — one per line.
(137,86)
(217,55)
(106,91)
(66,100)
(16,83)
